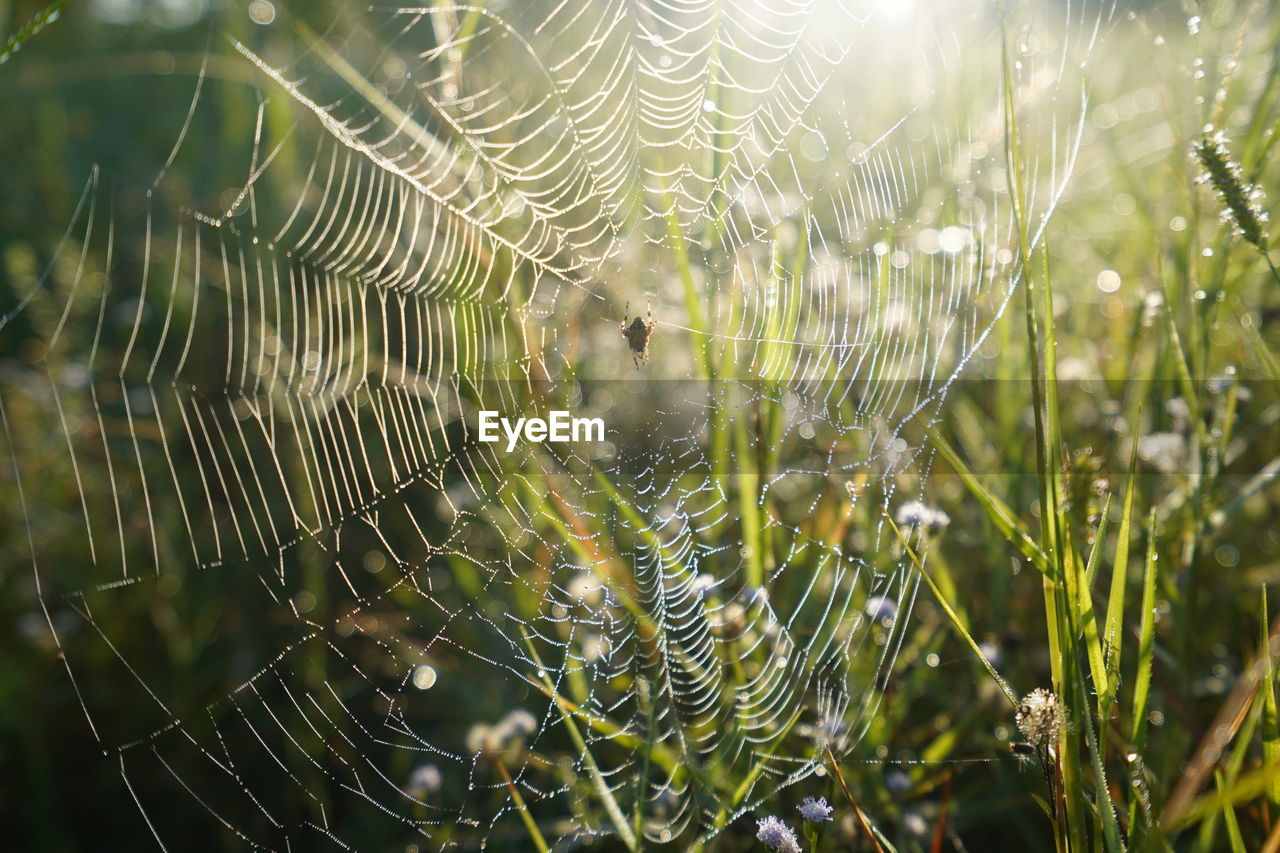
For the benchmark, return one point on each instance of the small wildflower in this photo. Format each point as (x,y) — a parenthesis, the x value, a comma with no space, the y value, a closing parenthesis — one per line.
(1179,409)
(1241,198)
(1041,718)
(829,731)
(881,609)
(919,514)
(478,739)
(519,723)
(915,824)
(1167,451)
(508,733)
(897,782)
(424,780)
(815,810)
(776,835)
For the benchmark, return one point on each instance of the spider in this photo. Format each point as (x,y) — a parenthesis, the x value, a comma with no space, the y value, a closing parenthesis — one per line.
(637,334)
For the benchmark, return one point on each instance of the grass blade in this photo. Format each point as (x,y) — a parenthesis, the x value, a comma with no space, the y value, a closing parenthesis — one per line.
(1229,818)
(1270,724)
(1146,653)
(1146,641)
(1111,637)
(607,799)
(34,26)
(535,835)
(956,621)
(997,510)
(1251,786)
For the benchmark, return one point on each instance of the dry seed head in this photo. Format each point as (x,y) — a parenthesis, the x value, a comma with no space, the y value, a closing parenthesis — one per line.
(1240,198)
(1041,717)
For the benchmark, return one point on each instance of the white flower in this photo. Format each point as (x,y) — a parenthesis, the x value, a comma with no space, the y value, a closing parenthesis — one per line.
(1167,451)
(478,738)
(881,609)
(519,723)
(919,514)
(829,730)
(1178,408)
(424,779)
(777,836)
(897,782)
(508,733)
(815,810)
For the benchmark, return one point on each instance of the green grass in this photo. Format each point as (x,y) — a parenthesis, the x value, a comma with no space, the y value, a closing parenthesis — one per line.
(1136,594)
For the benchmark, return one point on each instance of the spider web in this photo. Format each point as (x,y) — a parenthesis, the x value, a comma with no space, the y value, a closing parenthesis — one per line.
(268,401)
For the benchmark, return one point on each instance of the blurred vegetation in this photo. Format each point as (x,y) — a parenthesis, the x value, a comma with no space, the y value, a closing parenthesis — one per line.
(1111,533)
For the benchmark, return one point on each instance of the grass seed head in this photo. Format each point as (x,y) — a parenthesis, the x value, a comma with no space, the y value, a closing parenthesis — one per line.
(1041,717)
(1241,199)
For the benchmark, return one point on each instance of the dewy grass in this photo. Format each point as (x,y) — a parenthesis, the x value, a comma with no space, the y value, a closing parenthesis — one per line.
(746,643)
(32,28)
